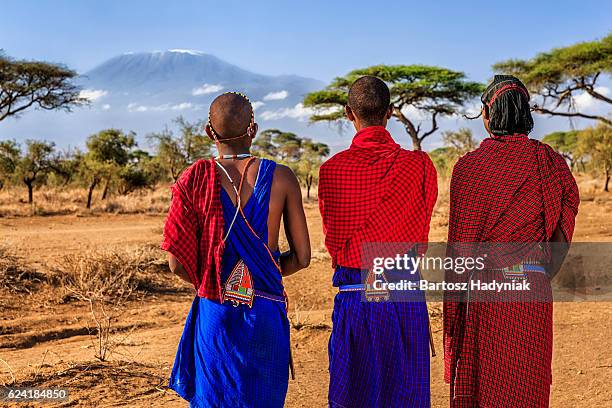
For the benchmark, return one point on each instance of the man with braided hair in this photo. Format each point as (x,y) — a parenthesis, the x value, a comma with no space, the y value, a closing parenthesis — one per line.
(222,234)
(517,191)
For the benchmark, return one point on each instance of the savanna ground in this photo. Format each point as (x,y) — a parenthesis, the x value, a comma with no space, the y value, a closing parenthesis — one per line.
(56,258)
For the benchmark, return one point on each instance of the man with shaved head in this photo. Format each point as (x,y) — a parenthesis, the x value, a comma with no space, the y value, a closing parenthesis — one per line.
(375,192)
(222,235)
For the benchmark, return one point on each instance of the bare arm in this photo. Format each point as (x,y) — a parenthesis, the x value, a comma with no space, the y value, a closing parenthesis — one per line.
(562,236)
(559,249)
(296,228)
(178,269)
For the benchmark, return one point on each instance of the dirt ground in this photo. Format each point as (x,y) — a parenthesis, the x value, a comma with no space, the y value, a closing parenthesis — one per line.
(46,343)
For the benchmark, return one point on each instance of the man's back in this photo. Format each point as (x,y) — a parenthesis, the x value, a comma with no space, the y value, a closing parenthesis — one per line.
(375,191)
(506,186)
(285,196)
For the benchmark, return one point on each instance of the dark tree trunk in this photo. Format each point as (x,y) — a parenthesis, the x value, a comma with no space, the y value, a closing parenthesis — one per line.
(308,185)
(92,186)
(410,128)
(105,192)
(607,184)
(30,184)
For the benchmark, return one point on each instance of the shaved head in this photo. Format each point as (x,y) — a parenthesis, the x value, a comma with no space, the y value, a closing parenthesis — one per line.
(369,99)
(230,115)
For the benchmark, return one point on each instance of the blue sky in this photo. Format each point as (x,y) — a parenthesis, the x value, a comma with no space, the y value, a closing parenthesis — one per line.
(318,39)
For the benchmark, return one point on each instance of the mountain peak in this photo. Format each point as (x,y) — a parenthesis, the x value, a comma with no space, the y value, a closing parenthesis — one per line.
(178,73)
(185,51)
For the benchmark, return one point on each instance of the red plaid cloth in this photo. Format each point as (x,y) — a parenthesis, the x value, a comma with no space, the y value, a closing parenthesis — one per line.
(193,231)
(499,354)
(375,191)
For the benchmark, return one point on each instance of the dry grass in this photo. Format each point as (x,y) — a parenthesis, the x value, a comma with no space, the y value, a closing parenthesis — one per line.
(107,280)
(114,273)
(62,201)
(115,380)
(16,276)
(109,274)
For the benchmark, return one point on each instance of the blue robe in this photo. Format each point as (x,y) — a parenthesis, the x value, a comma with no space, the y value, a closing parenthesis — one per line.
(238,356)
(378,351)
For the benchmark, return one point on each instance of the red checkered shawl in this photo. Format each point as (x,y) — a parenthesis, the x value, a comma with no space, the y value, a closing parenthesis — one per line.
(510,189)
(375,191)
(193,231)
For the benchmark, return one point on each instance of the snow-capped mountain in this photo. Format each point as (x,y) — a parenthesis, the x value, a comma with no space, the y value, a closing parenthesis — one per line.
(144,91)
(177,76)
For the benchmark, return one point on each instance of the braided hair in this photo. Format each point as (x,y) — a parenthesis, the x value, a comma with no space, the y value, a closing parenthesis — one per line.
(506,104)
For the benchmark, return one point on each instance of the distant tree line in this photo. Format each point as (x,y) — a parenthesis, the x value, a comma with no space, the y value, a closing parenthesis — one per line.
(586,150)
(303,155)
(113,162)
(420,96)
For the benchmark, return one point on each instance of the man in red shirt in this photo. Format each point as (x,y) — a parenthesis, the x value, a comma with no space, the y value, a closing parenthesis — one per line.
(375,192)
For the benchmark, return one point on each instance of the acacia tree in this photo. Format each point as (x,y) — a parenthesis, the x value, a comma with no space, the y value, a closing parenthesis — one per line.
(566,144)
(66,164)
(309,163)
(557,76)
(33,167)
(302,155)
(456,144)
(107,151)
(596,143)
(460,141)
(263,145)
(276,144)
(174,153)
(416,90)
(35,84)
(9,159)
(140,172)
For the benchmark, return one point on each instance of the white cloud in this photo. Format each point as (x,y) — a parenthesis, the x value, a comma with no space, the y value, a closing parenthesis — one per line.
(257,104)
(299,112)
(133,107)
(106,106)
(414,113)
(585,101)
(93,94)
(276,96)
(182,106)
(206,89)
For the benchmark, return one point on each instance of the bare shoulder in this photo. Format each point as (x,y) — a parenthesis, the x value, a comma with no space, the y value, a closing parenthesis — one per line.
(284,177)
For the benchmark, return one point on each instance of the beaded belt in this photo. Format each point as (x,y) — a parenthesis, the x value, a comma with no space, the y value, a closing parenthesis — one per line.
(519,271)
(351,288)
(269,296)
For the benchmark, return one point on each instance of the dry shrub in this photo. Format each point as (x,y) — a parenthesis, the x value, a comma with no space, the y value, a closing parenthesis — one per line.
(106,280)
(93,383)
(15,276)
(112,273)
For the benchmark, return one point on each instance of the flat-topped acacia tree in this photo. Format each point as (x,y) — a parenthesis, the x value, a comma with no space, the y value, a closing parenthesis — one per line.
(36,84)
(427,91)
(557,76)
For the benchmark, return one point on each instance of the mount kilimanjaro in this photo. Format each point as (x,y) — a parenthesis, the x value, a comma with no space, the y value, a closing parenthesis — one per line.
(144,91)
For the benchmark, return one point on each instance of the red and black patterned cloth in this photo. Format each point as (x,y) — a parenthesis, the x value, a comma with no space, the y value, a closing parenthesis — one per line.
(375,191)
(498,354)
(193,231)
